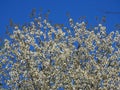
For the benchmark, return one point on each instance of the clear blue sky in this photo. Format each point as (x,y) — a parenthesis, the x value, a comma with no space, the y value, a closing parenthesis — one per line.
(19,11)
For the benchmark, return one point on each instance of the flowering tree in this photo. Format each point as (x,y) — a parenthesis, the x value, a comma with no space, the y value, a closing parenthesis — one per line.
(41,56)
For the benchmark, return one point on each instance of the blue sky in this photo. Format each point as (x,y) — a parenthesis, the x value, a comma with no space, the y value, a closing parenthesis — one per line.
(19,11)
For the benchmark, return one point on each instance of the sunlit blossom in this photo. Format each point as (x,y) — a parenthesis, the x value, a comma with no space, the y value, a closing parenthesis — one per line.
(43,57)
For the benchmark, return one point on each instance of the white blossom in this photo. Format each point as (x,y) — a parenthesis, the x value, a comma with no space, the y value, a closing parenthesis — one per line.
(30,63)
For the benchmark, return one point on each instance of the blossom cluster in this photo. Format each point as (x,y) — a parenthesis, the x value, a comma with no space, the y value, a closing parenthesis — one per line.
(41,56)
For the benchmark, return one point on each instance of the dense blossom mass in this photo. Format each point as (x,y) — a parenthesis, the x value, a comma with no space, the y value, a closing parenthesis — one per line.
(41,56)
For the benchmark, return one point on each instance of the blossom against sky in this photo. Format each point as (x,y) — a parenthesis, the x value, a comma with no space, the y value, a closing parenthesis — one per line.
(19,10)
